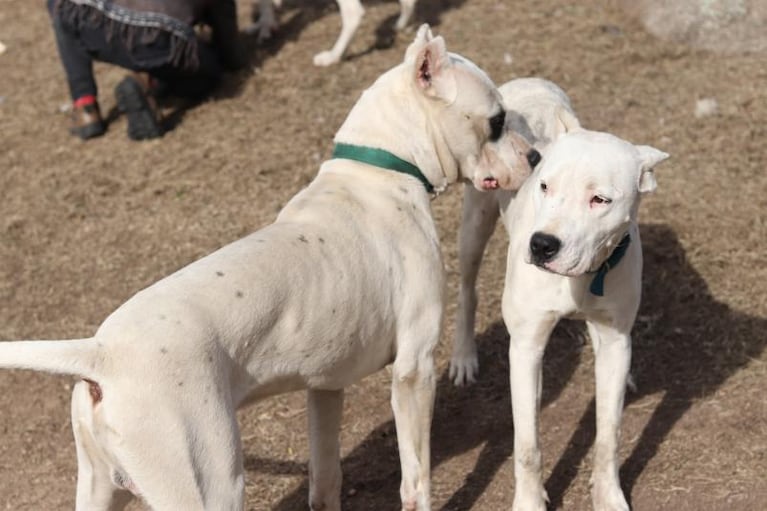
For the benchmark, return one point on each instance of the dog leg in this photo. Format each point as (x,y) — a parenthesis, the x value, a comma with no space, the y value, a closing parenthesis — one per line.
(351,15)
(612,350)
(325,410)
(185,454)
(529,336)
(267,21)
(480,214)
(406,11)
(413,390)
(95,489)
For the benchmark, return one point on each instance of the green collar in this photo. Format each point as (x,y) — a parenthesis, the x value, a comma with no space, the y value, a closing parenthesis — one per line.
(380,158)
(598,282)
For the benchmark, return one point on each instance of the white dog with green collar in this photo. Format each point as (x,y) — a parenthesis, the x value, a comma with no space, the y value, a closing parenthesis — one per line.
(574,251)
(349,278)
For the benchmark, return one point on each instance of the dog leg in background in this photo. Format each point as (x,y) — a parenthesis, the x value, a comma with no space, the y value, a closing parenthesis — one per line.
(325,412)
(406,12)
(351,16)
(480,214)
(612,352)
(529,336)
(267,20)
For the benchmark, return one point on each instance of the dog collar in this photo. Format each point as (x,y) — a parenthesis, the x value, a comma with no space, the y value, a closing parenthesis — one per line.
(598,282)
(380,158)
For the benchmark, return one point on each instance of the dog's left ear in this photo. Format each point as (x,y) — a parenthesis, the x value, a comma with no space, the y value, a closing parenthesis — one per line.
(649,157)
(432,66)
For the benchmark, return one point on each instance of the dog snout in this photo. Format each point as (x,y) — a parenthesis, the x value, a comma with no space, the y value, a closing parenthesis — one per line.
(544,247)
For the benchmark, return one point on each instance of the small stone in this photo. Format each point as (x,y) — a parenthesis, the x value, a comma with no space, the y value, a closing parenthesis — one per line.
(706,107)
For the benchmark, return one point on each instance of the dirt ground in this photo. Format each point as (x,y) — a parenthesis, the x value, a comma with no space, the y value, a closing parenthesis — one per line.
(83,226)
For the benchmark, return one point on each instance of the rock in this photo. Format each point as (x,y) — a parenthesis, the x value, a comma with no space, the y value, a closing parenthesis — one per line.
(723,26)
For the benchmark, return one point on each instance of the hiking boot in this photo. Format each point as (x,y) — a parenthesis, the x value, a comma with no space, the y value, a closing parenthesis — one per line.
(135,98)
(87,122)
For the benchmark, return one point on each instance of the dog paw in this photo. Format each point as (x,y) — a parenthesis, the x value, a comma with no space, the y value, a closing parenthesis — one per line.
(530,501)
(608,497)
(464,369)
(326,58)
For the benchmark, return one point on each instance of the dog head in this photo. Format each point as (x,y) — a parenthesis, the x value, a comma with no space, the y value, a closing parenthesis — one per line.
(466,120)
(585,196)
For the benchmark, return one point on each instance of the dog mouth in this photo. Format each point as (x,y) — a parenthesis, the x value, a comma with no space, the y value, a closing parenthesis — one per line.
(490,183)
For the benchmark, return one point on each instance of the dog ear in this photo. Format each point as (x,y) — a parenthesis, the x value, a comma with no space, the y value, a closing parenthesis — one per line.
(432,68)
(422,38)
(649,157)
(566,121)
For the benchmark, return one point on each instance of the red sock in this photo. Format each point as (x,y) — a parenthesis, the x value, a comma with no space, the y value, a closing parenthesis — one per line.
(90,99)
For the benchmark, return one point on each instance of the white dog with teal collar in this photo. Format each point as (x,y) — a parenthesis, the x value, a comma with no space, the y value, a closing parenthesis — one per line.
(574,251)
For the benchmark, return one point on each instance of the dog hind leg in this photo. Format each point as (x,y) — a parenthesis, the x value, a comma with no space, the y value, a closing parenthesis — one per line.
(351,16)
(406,12)
(325,411)
(95,488)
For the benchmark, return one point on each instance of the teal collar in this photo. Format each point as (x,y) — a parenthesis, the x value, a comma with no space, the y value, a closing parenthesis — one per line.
(380,158)
(598,282)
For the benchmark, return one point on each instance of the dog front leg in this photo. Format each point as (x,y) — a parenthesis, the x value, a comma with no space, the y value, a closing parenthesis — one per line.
(351,16)
(527,344)
(480,214)
(325,411)
(612,350)
(413,390)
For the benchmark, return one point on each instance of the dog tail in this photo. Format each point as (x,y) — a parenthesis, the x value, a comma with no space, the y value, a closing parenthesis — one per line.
(77,357)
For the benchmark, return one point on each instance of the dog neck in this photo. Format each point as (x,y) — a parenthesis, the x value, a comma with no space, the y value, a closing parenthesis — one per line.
(391,114)
(597,286)
(380,158)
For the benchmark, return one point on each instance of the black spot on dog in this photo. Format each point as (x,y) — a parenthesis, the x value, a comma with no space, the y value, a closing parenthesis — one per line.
(239,294)
(163,350)
(210,358)
(220,273)
(403,189)
(322,240)
(302,239)
(180,384)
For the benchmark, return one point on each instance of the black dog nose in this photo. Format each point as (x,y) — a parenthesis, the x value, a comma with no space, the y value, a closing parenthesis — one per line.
(544,247)
(533,158)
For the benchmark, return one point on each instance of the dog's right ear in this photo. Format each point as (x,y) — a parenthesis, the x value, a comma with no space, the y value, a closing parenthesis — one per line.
(566,121)
(432,66)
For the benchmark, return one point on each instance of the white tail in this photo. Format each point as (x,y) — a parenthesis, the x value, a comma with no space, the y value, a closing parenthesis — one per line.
(78,357)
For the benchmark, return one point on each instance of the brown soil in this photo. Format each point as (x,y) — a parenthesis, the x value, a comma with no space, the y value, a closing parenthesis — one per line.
(83,226)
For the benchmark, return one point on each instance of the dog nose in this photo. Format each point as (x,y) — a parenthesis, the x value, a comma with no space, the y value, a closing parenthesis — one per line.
(544,247)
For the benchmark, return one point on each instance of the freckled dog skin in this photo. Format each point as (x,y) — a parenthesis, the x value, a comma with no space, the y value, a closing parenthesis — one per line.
(565,221)
(348,279)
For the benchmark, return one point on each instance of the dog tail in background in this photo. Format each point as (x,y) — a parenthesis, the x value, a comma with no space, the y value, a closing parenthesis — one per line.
(77,357)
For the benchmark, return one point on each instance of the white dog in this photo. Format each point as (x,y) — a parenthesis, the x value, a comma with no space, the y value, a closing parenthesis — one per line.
(574,251)
(351,16)
(348,279)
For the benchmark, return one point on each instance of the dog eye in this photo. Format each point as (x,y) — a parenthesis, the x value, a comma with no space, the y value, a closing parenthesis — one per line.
(496,125)
(544,187)
(533,158)
(598,199)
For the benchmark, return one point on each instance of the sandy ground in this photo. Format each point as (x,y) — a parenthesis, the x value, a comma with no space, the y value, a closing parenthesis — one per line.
(83,226)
